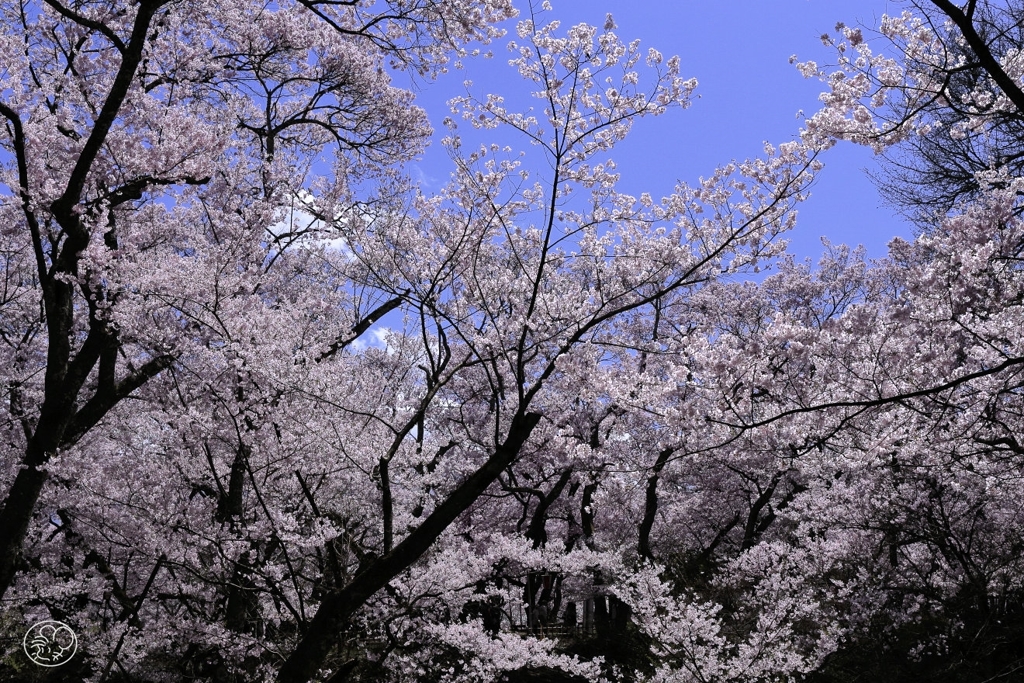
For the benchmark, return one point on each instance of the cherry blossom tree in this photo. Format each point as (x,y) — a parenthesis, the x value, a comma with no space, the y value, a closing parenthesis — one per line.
(870,409)
(883,401)
(113,112)
(149,151)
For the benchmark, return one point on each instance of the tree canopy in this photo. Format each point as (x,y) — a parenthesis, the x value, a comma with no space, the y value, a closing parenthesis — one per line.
(273,413)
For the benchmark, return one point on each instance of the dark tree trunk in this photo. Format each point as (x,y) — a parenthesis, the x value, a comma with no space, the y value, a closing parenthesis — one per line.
(651,504)
(59,424)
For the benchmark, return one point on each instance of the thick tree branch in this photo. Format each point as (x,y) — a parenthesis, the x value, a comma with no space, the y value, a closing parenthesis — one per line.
(537,531)
(103,400)
(63,206)
(336,610)
(91,24)
(651,504)
(991,65)
(21,157)
(362,326)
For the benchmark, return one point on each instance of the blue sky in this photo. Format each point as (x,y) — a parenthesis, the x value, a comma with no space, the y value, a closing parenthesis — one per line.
(739,52)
